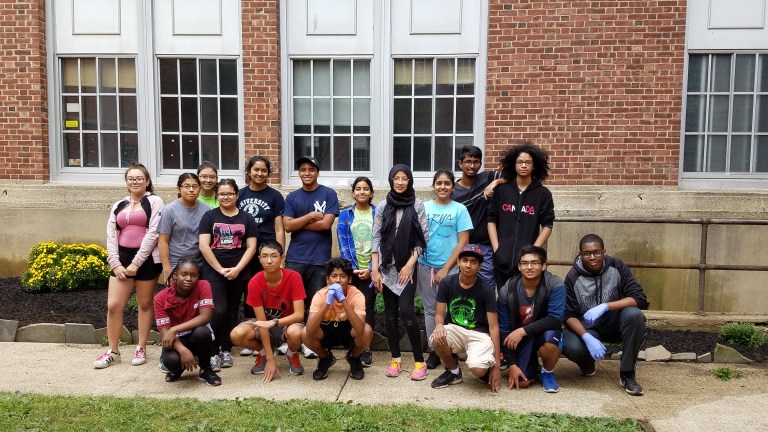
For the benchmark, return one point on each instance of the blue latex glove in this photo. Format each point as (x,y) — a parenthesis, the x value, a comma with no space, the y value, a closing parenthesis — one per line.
(339,292)
(595,347)
(331,295)
(595,313)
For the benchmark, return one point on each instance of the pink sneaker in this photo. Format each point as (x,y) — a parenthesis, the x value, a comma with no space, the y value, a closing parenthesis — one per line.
(394,368)
(419,371)
(139,356)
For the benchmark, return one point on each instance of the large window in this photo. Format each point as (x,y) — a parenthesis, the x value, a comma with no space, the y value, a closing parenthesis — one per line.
(726,116)
(332,112)
(433,111)
(98,100)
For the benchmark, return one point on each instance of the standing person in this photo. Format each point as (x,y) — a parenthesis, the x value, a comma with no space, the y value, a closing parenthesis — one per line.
(265,205)
(209,176)
(449,225)
(521,212)
(474,189)
(400,234)
(308,215)
(228,243)
(134,257)
(178,225)
(183,312)
(355,234)
(531,307)
(277,296)
(603,303)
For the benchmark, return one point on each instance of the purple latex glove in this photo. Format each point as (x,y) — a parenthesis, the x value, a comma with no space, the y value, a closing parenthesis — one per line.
(595,313)
(331,294)
(339,292)
(595,347)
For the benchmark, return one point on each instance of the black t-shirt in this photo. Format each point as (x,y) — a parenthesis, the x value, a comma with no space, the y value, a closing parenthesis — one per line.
(467,307)
(228,236)
(474,200)
(263,206)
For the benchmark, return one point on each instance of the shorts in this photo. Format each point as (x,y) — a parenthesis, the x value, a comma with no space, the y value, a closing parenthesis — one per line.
(477,345)
(276,334)
(147,272)
(337,334)
(528,350)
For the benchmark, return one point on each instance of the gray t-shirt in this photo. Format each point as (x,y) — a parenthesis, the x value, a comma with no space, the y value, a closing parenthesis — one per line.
(182,223)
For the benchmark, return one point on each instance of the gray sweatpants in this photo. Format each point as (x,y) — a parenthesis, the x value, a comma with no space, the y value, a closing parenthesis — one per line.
(428,291)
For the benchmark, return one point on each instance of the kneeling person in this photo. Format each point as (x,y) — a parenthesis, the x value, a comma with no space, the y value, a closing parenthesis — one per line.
(466,322)
(277,297)
(183,311)
(337,318)
(531,307)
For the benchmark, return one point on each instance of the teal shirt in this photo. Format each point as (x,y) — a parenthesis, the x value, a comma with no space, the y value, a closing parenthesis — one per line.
(445,224)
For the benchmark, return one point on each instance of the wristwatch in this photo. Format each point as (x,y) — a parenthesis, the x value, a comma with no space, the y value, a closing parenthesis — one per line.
(277,322)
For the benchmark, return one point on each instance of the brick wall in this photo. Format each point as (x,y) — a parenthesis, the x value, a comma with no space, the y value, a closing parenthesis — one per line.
(596,83)
(261,81)
(23,93)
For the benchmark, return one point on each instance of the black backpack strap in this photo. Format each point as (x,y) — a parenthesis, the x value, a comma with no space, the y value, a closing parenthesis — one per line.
(145,205)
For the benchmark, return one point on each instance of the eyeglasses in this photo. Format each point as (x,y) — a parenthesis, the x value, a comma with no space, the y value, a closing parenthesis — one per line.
(530,263)
(524,163)
(207,177)
(590,254)
(190,187)
(269,257)
(226,195)
(135,179)
(472,162)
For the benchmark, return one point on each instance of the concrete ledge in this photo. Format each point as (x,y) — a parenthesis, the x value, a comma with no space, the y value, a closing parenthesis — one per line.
(706,322)
(8,330)
(48,333)
(79,333)
(125,335)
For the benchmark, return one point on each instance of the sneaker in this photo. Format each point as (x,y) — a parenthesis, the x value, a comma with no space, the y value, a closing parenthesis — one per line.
(226,359)
(323,365)
(295,365)
(627,380)
(282,349)
(367,358)
(308,353)
(446,379)
(246,352)
(549,382)
(162,367)
(216,363)
(210,377)
(503,362)
(172,376)
(107,359)
(419,371)
(259,365)
(433,360)
(588,372)
(139,357)
(356,371)
(394,368)
(486,378)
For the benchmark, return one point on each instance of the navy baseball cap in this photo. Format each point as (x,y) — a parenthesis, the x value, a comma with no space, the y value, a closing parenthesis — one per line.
(307,159)
(473,250)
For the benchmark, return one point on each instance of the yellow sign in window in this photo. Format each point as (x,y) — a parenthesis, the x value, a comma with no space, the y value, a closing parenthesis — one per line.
(71,123)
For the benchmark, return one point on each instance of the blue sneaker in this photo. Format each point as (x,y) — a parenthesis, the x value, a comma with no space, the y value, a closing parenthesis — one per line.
(549,382)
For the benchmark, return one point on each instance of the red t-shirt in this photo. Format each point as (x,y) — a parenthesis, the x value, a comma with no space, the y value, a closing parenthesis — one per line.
(278,301)
(171,311)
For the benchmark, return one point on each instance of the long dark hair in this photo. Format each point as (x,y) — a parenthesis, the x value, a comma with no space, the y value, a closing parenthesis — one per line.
(144,170)
(367,181)
(185,176)
(251,162)
(540,170)
(226,182)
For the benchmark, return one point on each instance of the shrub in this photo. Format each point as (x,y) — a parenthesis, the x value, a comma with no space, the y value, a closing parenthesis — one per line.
(60,267)
(743,334)
(418,305)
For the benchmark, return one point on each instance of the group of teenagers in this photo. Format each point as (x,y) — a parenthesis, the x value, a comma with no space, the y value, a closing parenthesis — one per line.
(475,254)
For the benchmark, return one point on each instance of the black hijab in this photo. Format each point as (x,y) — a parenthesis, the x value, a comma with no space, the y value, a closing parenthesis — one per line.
(409,232)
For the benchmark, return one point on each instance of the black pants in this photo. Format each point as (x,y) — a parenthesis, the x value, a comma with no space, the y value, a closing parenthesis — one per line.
(313,277)
(226,303)
(370,298)
(401,306)
(199,341)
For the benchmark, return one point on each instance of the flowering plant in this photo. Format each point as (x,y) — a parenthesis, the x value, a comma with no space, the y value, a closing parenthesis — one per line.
(65,267)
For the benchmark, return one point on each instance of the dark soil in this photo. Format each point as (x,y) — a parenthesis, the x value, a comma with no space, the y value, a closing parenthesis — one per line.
(90,307)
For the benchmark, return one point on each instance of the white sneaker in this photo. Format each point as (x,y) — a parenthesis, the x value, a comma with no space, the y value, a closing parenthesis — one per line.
(216,363)
(282,349)
(246,352)
(139,356)
(107,359)
(308,353)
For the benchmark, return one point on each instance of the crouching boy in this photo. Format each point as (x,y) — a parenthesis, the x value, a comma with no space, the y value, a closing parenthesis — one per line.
(337,318)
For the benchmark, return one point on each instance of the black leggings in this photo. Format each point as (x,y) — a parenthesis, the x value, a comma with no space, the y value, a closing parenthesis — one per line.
(401,306)
(199,341)
(226,303)
(370,299)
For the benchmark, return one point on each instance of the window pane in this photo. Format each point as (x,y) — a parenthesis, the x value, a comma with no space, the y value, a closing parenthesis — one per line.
(717,153)
(88,75)
(108,108)
(342,116)
(741,153)
(422,154)
(228,77)
(342,159)
(401,122)
(302,146)
(465,82)
(744,76)
(763,85)
(695,113)
(761,155)
(694,153)
(190,154)
(444,115)
(107,75)
(422,77)
(128,113)
(90,113)
(322,78)
(72,149)
(129,149)
(322,113)
(401,150)
(762,113)
(229,120)
(697,73)
(230,155)
(362,77)
(109,150)
(171,150)
(208,77)
(302,116)
(90,150)
(361,153)
(302,74)
(721,73)
(189,114)
(462,141)
(70,75)
(71,111)
(188,76)
(322,152)
(742,113)
(168,77)
(209,115)
(210,149)
(169,114)
(465,115)
(422,116)
(126,75)
(362,115)
(342,78)
(718,114)
(443,153)
(403,79)
(445,76)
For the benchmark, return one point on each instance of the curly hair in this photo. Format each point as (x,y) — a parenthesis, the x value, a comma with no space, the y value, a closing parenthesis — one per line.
(540,170)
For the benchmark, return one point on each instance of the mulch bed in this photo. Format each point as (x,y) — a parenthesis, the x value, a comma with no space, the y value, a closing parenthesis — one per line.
(90,307)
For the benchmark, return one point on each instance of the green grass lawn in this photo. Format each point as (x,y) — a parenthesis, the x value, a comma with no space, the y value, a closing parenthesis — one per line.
(30,412)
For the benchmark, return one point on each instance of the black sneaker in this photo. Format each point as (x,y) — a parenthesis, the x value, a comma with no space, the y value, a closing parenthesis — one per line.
(210,377)
(588,372)
(433,360)
(355,367)
(627,380)
(485,379)
(446,379)
(173,376)
(323,365)
(366,358)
